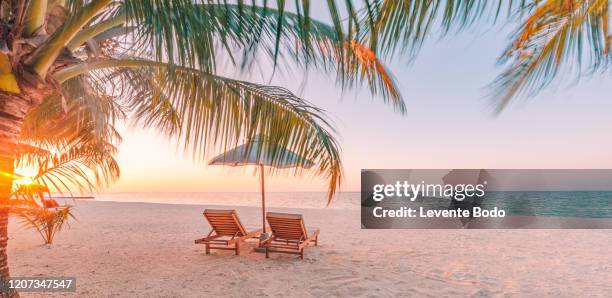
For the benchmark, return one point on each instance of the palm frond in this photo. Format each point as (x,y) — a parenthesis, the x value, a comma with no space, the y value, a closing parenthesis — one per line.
(71,138)
(46,221)
(172,31)
(217,113)
(87,167)
(194,35)
(82,114)
(147,101)
(558,36)
(405,24)
(296,37)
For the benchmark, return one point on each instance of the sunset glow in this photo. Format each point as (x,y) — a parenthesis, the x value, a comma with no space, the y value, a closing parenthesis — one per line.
(24,181)
(343,148)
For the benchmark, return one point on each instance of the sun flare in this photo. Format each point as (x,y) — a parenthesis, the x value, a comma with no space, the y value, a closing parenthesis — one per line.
(26,171)
(25,175)
(25,181)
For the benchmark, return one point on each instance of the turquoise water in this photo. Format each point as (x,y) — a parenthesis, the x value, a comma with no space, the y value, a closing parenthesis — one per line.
(587,204)
(583,204)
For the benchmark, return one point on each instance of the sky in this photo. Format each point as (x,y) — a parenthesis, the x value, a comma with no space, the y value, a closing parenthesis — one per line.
(449,124)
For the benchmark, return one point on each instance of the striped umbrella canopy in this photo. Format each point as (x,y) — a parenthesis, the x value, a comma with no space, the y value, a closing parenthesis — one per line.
(257,153)
(260,153)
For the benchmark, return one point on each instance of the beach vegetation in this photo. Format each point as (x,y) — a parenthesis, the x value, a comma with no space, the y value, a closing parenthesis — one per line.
(83,168)
(70,70)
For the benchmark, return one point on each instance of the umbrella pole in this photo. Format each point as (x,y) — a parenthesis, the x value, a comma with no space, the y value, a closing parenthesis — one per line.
(263,197)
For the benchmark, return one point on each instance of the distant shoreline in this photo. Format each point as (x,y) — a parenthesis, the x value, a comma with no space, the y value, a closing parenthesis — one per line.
(510,222)
(302,200)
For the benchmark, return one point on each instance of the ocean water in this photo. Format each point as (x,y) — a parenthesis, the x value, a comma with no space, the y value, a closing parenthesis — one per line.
(343,200)
(583,204)
(586,204)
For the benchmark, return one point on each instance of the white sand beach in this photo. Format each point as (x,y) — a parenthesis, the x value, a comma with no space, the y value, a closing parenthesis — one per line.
(147,250)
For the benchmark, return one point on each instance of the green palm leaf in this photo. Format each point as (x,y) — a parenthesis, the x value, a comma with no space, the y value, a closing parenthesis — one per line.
(405,24)
(87,167)
(205,31)
(218,113)
(82,114)
(556,36)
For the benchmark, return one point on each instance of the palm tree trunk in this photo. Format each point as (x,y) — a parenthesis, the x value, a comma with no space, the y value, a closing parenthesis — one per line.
(4,270)
(12,112)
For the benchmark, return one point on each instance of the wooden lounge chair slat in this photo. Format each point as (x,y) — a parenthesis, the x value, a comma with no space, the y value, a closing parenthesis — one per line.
(288,229)
(297,230)
(225,225)
(287,226)
(286,235)
(290,235)
(296,234)
(224,219)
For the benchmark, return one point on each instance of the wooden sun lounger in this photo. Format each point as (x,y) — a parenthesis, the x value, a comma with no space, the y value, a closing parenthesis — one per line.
(289,235)
(227,230)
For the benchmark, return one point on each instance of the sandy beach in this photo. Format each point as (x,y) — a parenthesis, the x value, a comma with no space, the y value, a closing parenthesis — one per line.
(144,250)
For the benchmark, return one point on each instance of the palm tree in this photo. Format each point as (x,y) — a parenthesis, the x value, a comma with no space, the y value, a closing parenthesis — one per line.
(70,68)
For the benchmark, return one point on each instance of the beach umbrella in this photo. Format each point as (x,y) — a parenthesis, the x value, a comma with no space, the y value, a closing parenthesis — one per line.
(261,154)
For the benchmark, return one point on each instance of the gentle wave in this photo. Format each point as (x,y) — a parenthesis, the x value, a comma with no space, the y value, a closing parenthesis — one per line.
(343,201)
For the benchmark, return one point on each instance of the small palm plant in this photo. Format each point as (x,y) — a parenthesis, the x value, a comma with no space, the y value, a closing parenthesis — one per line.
(35,213)
(47,221)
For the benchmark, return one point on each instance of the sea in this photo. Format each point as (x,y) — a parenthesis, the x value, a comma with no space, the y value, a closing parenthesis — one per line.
(582,204)
(342,200)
